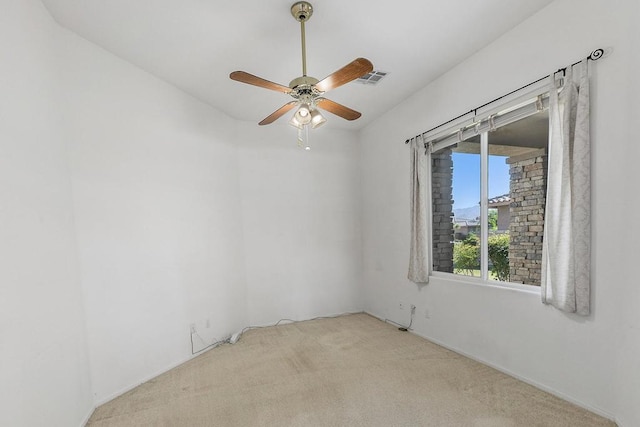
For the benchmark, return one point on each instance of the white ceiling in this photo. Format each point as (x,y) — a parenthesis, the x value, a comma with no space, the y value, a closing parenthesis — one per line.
(195,44)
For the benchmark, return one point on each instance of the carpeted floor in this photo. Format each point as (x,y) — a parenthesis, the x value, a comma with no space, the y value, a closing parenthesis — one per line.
(348,371)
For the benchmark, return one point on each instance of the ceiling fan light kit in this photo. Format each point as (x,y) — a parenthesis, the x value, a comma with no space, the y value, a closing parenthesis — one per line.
(308,91)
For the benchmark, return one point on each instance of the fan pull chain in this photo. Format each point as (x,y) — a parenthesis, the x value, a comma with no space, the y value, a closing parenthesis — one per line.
(300,138)
(303,138)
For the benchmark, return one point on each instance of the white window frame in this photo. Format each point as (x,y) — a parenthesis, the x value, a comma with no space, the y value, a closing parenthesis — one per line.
(518,107)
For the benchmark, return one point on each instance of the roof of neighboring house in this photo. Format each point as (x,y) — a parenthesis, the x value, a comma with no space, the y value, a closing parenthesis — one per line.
(466,222)
(500,200)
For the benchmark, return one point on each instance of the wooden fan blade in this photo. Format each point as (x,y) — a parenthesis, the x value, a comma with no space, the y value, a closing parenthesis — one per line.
(349,72)
(278,113)
(337,109)
(244,77)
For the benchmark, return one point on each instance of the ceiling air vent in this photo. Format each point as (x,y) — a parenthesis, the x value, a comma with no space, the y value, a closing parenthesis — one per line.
(372,78)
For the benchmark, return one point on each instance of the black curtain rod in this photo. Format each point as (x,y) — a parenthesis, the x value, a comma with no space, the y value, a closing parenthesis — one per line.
(594,56)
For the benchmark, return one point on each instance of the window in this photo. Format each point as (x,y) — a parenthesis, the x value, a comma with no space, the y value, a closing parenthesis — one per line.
(488,188)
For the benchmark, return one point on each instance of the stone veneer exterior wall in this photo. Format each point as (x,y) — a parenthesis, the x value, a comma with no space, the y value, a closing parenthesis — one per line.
(442,210)
(528,189)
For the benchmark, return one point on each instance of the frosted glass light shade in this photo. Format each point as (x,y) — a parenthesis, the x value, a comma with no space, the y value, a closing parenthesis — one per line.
(303,115)
(317,119)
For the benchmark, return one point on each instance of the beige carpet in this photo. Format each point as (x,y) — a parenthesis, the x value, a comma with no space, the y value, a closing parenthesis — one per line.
(349,371)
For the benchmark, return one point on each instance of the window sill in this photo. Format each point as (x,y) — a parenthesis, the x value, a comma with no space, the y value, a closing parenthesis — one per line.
(529,289)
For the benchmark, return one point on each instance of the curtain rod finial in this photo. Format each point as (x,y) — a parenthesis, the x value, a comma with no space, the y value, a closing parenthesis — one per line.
(596,54)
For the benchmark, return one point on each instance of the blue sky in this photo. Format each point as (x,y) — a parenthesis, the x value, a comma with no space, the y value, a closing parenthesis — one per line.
(466,178)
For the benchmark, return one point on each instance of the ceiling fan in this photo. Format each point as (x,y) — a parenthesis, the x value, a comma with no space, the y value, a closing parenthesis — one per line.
(308,91)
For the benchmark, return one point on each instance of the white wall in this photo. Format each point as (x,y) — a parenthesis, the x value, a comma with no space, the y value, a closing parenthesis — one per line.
(301,216)
(155,182)
(628,347)
(44,369)
(155,189)
(572,356)
(184,215)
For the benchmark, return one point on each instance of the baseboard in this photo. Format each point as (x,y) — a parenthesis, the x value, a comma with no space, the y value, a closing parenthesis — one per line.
(529,381)
(147,378)
(88,416)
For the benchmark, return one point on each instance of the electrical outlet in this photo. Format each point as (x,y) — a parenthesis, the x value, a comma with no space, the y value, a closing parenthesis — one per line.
(193,328)
(401,305)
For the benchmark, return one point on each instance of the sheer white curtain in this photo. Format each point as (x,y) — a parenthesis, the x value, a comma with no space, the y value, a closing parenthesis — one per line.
(419,253)
(567,239)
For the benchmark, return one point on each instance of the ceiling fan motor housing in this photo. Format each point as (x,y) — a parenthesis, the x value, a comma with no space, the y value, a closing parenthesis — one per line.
(302,11)
(303,81)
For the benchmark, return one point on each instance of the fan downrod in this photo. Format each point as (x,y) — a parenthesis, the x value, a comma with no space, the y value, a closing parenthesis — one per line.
(302,11)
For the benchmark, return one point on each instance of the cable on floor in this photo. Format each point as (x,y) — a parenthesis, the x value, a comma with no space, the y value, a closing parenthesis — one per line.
(248,328)
(212,345)
(402,327)
(290,321)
